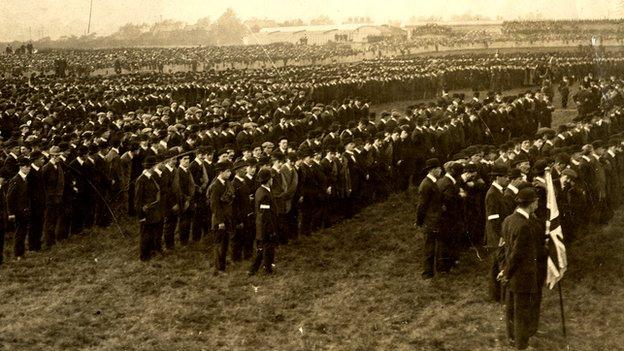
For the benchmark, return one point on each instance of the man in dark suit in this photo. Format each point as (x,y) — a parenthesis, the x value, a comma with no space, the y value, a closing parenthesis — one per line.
(429,214)
(36,194)
(242,208)
(170,192)
(266,226)
(147,200)
(520,272)
(187,192)
(4,211)
(78,176)
(494,208)
(201,210)
(220,199)
(452,210)
(54,182)
(19,205)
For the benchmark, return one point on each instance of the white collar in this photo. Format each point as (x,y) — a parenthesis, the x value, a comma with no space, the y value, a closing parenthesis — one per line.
(22,175)
(523,213)
(158,171)
(512,188)
(266,187)
(497,186)
(169,168)
(34,166)
(432,178)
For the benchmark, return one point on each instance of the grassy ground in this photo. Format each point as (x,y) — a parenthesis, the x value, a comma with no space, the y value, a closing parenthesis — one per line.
(355,286)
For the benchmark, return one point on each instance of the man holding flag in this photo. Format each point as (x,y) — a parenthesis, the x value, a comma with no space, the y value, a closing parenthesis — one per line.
(522,268)
(520,271)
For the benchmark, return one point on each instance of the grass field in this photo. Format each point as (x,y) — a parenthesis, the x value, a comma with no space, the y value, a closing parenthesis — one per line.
(355,286)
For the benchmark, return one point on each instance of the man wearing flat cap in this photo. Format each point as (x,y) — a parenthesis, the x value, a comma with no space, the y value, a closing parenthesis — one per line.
(520,271)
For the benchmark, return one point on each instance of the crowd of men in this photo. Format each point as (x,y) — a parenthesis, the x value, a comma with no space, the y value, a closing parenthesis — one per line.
(506,190)
(108,61)
(571,29)
(247,161)
(80,153)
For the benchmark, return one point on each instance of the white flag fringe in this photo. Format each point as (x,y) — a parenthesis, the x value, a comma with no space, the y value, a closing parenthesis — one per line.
(557,261)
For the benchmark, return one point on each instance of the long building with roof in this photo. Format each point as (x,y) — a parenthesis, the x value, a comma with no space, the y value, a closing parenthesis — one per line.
(324,34)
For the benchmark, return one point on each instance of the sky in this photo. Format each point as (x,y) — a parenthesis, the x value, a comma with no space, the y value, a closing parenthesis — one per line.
(25,19)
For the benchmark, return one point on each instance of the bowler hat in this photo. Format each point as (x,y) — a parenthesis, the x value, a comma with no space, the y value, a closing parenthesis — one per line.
(499,170)
(432,163)
(264,175)
(526,195)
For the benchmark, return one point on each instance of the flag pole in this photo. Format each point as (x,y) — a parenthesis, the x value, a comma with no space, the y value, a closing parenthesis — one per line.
(563,327)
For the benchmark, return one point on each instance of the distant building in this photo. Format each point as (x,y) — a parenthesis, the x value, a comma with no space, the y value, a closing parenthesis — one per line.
(324,34)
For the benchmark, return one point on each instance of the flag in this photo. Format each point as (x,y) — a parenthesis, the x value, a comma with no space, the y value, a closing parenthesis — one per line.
(557,261)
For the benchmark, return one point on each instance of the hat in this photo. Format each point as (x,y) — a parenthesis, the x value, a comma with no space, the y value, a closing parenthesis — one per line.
(23,161)
(514,173)
(223,166)
(35,155)
(432,163)
(570,173)
(240,164)
(264,175)
(470,168)
(499,170)
(526,195)
(149,161)
(539,167)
